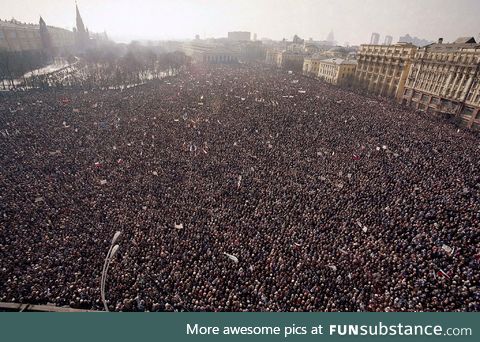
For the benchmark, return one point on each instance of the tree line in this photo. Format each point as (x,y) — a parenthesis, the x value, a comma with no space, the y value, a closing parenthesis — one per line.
(106,66)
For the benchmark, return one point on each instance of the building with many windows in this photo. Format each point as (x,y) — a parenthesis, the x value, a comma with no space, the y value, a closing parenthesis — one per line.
(203,52)
(17,37)
(388,40)
(383,69)
(239,36)
(291,60)
(286,59)
(271,56)
(445,79)
(337,71)
(414,40)
(250,51)
(311,65)
(375,38)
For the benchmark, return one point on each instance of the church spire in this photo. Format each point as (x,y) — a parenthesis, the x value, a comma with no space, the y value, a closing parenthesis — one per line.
(45,37)
(80,26)
(81,35)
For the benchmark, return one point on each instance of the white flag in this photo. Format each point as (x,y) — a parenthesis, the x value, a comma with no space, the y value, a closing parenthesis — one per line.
(448,249)
(232,257)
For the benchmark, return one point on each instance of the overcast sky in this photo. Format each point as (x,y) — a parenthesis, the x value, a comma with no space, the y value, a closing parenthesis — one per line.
(352,21)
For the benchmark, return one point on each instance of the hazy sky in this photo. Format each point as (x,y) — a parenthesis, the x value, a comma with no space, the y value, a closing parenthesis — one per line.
(351,20)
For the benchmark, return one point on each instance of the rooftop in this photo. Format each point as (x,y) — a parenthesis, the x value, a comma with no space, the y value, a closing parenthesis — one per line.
(465,40)
(462,43)
(17,25)
(339,61)
(396,45)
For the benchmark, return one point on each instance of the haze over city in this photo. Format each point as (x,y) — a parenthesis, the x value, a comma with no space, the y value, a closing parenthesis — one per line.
(351,20)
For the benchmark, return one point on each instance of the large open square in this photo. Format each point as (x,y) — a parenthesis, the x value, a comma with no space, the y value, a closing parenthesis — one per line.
(236,188)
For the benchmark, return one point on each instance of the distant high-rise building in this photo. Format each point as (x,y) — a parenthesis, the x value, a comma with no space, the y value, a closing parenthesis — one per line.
(414,40)
(239,36)
(375,38)
(254,37)
(388,40)
(197,37)
(331,37)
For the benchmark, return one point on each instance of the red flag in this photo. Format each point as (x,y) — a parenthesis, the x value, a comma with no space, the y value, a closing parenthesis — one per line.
(442,273)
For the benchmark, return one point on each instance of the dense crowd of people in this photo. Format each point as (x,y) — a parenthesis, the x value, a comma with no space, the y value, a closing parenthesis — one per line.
(236,188)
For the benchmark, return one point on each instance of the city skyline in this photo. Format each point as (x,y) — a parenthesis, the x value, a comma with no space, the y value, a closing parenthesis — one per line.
(350,20)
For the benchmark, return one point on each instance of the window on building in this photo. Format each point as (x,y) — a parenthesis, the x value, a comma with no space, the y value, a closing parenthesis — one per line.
(467,111)
(477,98)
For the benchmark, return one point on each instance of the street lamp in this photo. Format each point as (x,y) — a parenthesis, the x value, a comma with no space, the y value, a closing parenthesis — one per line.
(111,253)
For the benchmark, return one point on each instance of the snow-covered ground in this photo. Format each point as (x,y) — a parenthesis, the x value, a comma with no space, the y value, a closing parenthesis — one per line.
(47,69)
(75,73)
(57,66)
